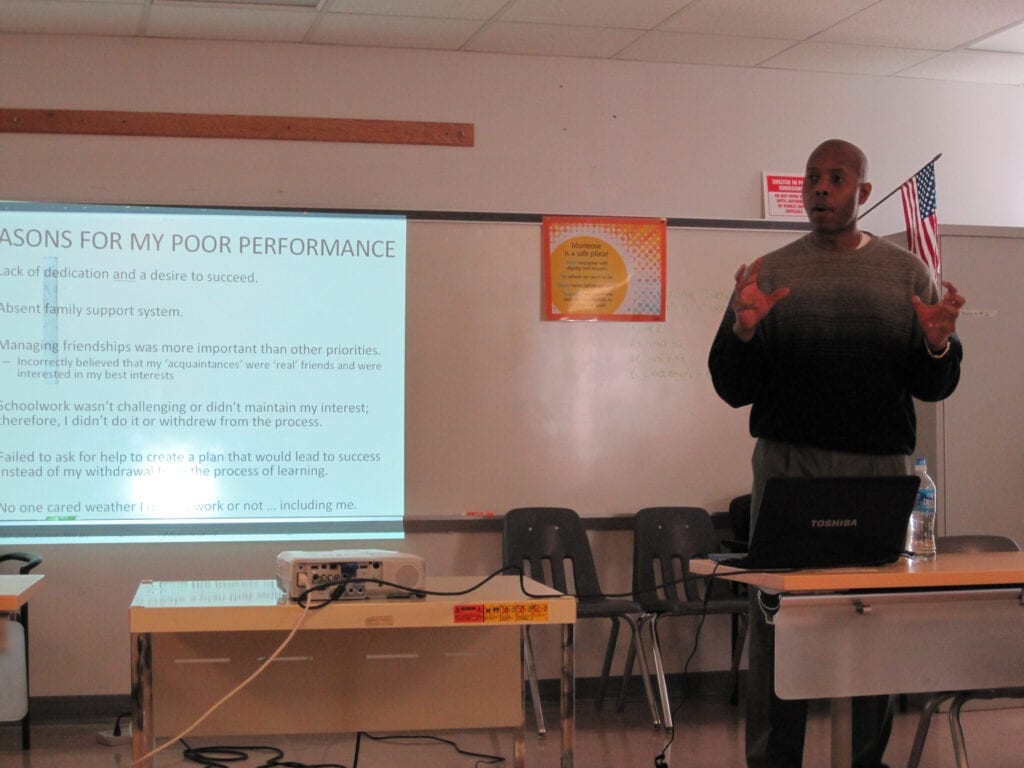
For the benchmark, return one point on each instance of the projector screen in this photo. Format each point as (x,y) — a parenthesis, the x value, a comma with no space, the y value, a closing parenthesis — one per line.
(200,374)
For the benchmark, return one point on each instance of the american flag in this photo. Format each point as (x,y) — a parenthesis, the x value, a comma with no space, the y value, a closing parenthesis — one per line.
(918,194)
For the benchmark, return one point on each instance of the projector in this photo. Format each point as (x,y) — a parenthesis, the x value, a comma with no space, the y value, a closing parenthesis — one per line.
(356,571)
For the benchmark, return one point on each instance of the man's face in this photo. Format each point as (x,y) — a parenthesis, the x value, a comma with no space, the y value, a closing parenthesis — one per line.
(833,191)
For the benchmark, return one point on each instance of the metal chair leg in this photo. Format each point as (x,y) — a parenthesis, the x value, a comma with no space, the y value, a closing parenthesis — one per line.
(530,669)
(637,648)
(957,730)
(609,653)
(637,653)
(627,672)
(921,735)
(659,674)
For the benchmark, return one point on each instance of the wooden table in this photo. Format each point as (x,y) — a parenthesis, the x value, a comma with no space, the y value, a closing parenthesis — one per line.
(951,623)
(437,662)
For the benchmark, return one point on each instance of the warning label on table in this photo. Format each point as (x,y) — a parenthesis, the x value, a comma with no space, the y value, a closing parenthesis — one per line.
(500,613)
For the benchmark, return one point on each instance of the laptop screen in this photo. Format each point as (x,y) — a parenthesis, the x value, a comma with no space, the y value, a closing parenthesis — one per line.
(824,522)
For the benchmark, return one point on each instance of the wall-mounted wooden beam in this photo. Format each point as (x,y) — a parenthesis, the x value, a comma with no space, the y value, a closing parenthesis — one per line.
(183,125)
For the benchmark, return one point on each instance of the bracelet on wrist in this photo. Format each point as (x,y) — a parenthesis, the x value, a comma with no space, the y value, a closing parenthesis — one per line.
(938,355)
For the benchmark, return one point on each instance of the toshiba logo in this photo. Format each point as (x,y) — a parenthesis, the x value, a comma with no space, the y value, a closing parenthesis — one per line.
(845,523)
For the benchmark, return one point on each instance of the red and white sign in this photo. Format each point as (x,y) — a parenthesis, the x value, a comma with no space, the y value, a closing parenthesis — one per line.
(783,198)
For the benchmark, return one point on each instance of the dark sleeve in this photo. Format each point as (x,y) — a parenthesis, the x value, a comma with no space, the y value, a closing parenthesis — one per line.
(932,380)
(735,366)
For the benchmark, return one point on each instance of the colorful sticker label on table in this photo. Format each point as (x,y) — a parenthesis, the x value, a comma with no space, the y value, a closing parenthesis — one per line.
(500,613)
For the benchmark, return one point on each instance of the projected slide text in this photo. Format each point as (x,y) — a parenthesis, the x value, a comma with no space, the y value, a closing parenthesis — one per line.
(200,373)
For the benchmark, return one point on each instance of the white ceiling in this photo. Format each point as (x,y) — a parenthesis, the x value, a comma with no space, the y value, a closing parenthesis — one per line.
(977,41)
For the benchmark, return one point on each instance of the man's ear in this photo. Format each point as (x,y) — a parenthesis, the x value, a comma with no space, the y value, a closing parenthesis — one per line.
(865,190)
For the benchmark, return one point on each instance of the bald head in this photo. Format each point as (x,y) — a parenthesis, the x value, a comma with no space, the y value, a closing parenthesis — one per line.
(851,154)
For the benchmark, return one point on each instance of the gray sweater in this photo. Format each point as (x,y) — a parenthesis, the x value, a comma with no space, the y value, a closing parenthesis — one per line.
(836,363)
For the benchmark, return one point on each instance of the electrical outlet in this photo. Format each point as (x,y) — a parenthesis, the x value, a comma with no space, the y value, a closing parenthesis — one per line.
(108,737)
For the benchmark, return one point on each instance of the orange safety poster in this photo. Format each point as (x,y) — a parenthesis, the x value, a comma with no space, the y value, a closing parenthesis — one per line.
(603,268)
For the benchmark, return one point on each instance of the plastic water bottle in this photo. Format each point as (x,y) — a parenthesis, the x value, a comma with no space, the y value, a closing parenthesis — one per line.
(921,533)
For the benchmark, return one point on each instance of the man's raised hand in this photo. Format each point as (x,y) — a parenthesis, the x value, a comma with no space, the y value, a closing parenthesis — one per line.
(750,304)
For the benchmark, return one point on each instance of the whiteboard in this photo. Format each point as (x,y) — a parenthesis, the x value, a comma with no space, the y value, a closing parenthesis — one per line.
(504,409)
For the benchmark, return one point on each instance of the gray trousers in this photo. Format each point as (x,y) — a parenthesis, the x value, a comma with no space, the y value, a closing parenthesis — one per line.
(775,727)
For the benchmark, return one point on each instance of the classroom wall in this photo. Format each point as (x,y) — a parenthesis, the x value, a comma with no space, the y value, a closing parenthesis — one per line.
(552,136)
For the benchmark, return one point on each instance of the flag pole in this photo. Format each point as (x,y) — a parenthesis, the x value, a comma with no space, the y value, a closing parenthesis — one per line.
(869,210)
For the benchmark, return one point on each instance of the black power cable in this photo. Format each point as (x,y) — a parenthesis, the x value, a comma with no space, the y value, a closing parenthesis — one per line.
(337,589)
(117,723)
(660,761)
(218,756)
(482,758)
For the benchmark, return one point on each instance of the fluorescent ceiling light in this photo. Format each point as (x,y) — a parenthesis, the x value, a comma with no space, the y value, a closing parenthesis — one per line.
(1010,40)
(244,3)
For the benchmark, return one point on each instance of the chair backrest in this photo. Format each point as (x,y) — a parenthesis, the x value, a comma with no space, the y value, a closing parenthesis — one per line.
(550,544)
(28,560)
(975,543)
(665,539)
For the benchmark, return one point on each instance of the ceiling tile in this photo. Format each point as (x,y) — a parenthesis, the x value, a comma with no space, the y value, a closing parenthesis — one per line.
(550,40)
(1009,41)
(881,38)
(939,25)
(394,31)
(55,17)
(681,48)
(629,14)
(438,9)
(228,23)
(791,20)
(972,67)
(847,59)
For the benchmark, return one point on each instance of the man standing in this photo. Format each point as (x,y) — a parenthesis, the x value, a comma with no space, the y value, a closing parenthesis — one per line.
(828,339)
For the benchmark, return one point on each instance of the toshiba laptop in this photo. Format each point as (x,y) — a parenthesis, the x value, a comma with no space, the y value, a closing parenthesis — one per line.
(830,522)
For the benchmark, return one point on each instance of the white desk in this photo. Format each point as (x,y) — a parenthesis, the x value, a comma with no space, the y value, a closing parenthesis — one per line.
(15,591)
(951,623)
(438,662)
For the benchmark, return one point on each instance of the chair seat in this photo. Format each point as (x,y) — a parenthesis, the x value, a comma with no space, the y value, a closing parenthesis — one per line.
(691,608)
(603,608)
